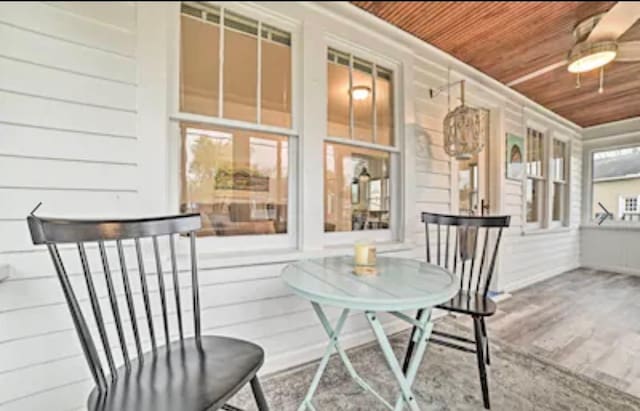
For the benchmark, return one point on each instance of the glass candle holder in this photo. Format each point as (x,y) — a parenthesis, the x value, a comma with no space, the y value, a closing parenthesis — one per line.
(364,258)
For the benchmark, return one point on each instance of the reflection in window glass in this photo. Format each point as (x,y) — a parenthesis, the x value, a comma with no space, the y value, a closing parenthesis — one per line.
(338,95)
(468,186)
(363,102)
(199,69)
(240,68)
(357,190)
(616,184)
(237,180)
(360,99)
(558,201)
(558,160)
(533,200)
(276,77)
(384,107)
(534,153)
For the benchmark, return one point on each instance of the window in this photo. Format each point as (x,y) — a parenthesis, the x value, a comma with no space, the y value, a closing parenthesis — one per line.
(230,71)
(616,184)
(559,179)
(359,151)
(235,89)
(535,175)
(237,180)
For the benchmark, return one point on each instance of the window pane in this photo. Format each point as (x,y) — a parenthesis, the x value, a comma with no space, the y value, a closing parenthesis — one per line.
(533,200)
(616,183)
(276,78)
(558,201)
(237,179)
(362,100)
(534,153)
(240,68)
(558,165)
(357,191)
(384,107)
(199,57)
(338,98)
(468,186)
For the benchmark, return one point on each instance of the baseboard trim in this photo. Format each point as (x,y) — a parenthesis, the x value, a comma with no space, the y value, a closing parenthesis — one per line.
(613,269)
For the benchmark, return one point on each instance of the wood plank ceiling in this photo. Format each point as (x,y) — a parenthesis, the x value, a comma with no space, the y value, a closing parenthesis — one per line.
(508,40)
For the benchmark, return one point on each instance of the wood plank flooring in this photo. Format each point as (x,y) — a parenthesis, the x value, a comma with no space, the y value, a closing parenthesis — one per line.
(585,320)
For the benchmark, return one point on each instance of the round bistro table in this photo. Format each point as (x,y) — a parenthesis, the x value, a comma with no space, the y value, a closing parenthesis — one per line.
(401,284)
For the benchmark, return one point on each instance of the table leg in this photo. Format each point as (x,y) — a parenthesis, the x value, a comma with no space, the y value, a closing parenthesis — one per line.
(404,382)
(345,359)
(333,342)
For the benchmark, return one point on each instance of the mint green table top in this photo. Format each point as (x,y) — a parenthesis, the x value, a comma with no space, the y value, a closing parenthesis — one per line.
(402,284)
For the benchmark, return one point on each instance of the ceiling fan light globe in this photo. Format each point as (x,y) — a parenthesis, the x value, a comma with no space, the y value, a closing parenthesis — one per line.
(586,57)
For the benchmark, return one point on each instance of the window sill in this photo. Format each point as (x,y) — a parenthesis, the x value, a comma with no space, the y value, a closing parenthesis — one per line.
(619,227)
(282,256)
(542,231)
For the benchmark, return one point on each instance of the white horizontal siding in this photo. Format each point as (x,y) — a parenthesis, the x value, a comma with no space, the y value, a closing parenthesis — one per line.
(68,115)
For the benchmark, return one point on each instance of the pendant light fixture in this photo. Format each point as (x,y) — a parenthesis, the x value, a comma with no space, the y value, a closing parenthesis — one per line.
(464,128)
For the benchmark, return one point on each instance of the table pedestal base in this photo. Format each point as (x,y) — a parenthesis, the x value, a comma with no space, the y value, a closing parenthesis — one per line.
(406,397)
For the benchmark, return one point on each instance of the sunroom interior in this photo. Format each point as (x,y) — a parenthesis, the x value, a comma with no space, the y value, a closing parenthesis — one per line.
(287,137)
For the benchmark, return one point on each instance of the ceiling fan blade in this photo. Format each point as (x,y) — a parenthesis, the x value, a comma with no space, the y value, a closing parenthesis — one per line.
(616,21)
(628,51)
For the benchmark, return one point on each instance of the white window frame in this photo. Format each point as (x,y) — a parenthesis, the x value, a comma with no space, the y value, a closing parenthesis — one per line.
(396,156)
(543,209)
(566,183)
(262,15)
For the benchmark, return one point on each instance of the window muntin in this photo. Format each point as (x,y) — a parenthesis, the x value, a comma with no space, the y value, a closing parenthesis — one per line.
(357,188)
(237,179)
(616,184)
(535,176)
(240,73)
(366,117)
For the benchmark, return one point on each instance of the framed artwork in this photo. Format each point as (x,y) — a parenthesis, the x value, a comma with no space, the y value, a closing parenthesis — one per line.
(515,157)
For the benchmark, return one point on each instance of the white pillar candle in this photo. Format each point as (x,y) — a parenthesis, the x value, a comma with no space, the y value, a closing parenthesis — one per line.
(365,253)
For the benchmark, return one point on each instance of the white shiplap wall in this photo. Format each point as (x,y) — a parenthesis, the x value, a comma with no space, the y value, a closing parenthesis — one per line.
(70,137)
(67,139)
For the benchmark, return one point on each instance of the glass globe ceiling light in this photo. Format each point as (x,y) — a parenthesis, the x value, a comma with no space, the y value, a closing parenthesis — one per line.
(360,92)
(585,57)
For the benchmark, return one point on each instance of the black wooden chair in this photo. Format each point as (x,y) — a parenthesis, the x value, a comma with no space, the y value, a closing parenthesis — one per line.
(192,373)
(473,259)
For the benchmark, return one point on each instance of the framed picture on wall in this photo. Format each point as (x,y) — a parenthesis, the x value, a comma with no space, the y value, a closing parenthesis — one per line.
(515,157)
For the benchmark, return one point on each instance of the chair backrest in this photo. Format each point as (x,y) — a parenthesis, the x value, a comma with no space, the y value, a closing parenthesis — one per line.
(472,258)
(120,238)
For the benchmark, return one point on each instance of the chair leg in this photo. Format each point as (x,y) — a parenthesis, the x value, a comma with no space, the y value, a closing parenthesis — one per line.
(258,394)
(477,325)
(410,346)
(486,341)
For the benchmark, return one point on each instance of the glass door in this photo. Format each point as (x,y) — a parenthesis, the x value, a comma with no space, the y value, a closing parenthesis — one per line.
(473,183)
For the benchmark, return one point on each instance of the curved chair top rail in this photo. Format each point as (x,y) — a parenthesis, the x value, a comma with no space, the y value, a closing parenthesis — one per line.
(456,220)
(54,230)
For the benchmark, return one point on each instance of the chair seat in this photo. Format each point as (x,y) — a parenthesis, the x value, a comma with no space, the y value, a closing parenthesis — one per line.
(183,377)
(470,303)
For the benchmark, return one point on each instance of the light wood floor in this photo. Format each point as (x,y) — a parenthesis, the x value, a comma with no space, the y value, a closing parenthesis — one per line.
(585,320)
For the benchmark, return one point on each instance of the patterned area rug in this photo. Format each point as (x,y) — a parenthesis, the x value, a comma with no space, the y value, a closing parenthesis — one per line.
(448,380)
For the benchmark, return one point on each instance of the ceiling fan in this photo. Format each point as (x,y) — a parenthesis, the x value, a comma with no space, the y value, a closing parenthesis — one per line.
(597,44)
